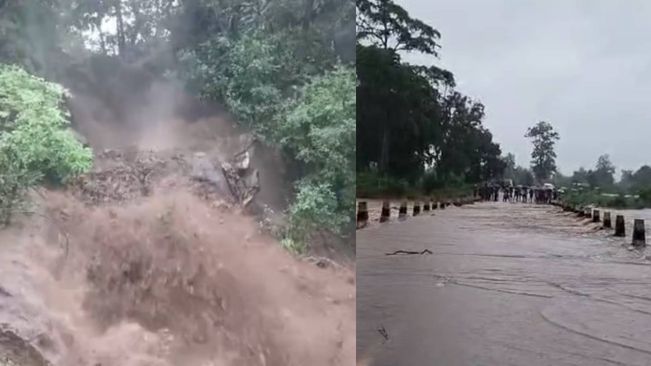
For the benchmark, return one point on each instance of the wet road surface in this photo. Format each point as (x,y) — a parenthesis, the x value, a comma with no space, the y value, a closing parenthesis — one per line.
(507,284)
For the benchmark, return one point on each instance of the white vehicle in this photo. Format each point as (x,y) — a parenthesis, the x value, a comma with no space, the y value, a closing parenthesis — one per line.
(548,186)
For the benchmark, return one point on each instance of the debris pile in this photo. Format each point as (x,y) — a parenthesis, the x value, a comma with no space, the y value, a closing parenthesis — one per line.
(122,176)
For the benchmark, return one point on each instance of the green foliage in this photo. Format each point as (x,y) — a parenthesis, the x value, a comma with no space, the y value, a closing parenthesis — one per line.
(633,190)
(641,179)
(560,180)
(371,184)
(293,246)
(253,75)
(247,79)
(430,181)
(602,176)
(315,208)
(318,130)
(523,176)
(597,198)
(257,78)
(280,79)
(35,142)
(645,196)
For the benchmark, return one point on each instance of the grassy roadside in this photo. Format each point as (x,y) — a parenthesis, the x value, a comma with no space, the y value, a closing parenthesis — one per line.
(371,186)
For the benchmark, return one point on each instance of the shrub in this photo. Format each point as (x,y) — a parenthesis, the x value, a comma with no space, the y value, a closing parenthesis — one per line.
(318,130)
(371,184)
(315,208)
(36,143)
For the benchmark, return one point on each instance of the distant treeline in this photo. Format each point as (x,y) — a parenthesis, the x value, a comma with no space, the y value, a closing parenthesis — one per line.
(594,186)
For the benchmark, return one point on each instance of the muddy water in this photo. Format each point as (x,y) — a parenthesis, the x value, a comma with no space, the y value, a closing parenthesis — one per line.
(507,284)
(169,281)
(629,216)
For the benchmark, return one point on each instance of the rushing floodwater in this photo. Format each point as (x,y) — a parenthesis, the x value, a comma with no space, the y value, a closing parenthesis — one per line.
(507,284)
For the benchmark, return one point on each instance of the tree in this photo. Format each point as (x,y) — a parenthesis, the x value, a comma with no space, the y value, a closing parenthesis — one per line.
(543,156)
(626,181)
(561,180)
(509,166)
(642,178)
(523,176)
(580,176)
(397,114)
(603,175)
(140,26)
(402,100)
(389,26)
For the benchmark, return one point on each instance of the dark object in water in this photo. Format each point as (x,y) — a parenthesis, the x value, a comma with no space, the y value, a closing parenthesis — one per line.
(383,332)
(426,251)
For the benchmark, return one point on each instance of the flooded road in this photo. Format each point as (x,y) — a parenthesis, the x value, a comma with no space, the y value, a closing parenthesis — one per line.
(507,284)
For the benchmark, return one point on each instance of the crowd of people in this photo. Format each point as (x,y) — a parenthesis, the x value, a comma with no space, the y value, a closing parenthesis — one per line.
(508,193)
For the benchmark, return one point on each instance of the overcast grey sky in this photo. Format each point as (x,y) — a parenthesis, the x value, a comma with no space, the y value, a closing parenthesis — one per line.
(584,66)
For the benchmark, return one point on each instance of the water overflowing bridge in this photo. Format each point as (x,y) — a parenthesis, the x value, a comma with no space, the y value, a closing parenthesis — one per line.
(505,284)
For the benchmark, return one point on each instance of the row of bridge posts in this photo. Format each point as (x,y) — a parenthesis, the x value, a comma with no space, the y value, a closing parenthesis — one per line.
(403,214)
(638,235)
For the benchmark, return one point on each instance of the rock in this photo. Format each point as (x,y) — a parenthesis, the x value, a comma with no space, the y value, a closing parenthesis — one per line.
(203,170)
(242,162)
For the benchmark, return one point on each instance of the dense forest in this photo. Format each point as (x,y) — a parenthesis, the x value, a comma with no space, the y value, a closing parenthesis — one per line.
(415,131)
(284,69)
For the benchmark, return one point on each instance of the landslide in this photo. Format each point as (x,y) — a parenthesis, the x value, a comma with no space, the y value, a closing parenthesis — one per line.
(150,259)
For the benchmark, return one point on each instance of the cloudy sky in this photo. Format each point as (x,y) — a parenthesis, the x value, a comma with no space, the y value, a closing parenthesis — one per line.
(584,66)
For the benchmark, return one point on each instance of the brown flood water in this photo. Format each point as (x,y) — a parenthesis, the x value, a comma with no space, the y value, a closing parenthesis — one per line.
(507,284)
